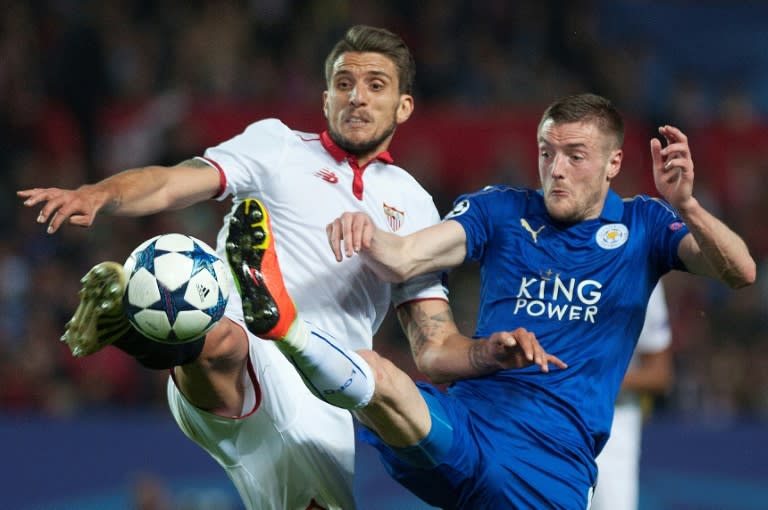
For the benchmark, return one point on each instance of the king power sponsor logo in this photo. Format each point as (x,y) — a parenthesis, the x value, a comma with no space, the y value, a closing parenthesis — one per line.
(560,299)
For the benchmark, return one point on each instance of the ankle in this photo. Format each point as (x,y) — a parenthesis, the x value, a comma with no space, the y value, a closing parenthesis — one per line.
(296,338)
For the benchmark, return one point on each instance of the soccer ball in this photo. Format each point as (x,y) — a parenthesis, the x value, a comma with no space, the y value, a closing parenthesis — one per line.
(177,288)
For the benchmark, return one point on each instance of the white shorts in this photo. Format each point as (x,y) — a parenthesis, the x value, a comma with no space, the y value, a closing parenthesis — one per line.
(289,450)
(619,462)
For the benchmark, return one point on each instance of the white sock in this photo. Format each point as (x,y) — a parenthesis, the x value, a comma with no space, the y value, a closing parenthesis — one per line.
(333,373)
(297,337)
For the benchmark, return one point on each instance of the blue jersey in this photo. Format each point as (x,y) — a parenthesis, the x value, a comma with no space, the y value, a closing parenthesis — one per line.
(581,289)
(523,438)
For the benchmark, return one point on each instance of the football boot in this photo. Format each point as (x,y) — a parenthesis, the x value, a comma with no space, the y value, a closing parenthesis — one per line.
(99,319)
(268,310)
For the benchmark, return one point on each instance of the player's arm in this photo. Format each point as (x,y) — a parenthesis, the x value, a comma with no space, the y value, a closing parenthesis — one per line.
(652,373)
(134,192)
(443,354)
(711,248)
(397,258)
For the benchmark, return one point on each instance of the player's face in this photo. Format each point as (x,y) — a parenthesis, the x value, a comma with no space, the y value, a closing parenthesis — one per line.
(363,104)
(576,164)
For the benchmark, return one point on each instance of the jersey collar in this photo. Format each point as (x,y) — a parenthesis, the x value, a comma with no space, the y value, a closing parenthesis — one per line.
(613,209)
(340,154)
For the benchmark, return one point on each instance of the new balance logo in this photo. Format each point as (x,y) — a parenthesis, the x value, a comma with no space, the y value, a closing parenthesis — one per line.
(534,233)
(327,176)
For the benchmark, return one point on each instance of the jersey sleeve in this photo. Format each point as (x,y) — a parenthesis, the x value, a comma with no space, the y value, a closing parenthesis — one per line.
(665,231)
(250,159)
(426,286)
(474,213)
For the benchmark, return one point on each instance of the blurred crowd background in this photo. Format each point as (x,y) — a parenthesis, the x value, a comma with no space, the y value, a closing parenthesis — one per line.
(88,88)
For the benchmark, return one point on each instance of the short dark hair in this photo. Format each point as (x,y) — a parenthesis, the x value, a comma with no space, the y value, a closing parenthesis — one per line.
(587,108)
(362,38)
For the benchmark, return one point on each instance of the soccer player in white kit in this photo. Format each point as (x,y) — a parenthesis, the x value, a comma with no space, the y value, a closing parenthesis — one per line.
(234,394)
(650,372)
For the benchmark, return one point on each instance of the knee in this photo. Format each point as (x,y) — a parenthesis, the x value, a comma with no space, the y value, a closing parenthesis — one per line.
(385,373)
(370,357)
(225,344)
(378,364)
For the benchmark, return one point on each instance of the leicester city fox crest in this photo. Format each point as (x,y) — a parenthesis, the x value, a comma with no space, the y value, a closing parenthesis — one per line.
(610,237)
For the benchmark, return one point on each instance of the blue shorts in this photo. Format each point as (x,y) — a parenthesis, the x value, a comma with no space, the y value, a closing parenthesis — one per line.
(471,461)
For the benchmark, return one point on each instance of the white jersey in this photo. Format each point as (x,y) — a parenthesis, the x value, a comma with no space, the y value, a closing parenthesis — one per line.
(305,182)
(619,461)
(289,448)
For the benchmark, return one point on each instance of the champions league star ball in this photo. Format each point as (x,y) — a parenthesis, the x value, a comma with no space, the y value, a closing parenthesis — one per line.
(177,288)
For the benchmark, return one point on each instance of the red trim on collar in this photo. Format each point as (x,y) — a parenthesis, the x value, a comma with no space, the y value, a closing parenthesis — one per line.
(333,149)
(340,154)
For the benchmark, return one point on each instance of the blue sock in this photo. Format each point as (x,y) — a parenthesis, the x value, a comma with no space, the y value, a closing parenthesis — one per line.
(430,451)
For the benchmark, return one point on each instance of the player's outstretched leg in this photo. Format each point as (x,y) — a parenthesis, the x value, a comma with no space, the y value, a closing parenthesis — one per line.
(330,371)
(268,310)
(99,319)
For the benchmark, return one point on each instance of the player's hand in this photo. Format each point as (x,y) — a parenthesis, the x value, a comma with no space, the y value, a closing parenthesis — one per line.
(673,167)
(350,233)
(520,348)
(76,207)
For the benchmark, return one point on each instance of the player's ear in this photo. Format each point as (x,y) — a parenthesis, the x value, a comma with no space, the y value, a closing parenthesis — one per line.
(325,103)
(404,108)
(614,163)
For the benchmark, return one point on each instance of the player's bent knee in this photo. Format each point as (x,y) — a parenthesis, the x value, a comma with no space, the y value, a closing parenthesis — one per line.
(390,381)
(381,369)
(226,344)
(373,360)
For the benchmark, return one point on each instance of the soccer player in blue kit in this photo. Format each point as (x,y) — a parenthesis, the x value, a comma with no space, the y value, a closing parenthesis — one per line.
(572,263)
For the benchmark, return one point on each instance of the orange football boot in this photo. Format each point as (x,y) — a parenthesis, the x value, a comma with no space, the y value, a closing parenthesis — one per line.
(267,308)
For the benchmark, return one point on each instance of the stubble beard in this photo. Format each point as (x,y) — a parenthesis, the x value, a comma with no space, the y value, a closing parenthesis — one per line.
(559,214)
(574,212)
(363,148)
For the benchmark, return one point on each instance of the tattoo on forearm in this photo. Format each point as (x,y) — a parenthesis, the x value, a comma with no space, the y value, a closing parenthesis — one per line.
(420,327)
(477,360)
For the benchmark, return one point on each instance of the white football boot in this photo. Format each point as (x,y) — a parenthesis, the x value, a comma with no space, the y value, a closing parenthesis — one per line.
(99,319)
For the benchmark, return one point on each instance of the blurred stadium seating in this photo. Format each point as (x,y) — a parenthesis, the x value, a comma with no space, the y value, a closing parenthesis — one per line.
(89,88)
